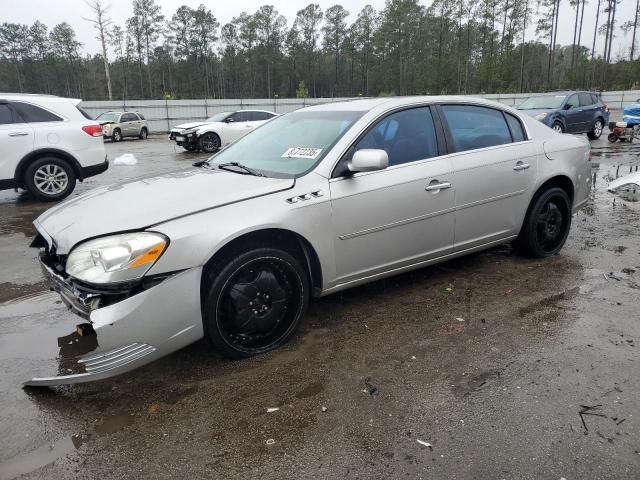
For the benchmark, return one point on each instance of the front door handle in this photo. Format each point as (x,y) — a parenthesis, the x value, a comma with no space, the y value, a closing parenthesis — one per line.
(434,187)
(521,166)
(18,134)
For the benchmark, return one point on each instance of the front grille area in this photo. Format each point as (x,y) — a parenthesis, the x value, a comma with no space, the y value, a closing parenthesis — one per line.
(118,357)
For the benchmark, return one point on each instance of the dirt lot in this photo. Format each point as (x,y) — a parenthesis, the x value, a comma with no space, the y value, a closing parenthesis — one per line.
(509,367)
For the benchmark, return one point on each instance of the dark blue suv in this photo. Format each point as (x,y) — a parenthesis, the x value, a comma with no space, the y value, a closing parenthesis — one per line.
(569,112)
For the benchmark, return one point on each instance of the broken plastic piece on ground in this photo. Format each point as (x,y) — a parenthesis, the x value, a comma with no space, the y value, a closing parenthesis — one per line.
(460,319)
(426,444)
(271,441)
(273,409)
(126,159)
(324,409)
(631,179)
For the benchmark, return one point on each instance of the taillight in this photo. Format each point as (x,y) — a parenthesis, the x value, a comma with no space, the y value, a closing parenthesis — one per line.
(93,130)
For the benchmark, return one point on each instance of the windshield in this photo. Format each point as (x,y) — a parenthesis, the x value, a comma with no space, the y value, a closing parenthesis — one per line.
(109,117)
(289,146)
(543,102)
(218,117)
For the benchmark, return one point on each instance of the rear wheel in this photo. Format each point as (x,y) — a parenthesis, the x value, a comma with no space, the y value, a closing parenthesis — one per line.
(557,127)
(50,179)
(209,142)
(254,302)
(116,136)
(596,131)
(546,225)
(613,138)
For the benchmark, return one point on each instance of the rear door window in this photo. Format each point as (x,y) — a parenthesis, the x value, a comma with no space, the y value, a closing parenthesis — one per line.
(128,117)
(586,100)
(141,116)
(406,136)
(6,115)
(33,114)
(474,127)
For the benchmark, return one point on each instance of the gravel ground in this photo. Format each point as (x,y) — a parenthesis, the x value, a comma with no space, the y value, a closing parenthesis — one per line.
(508,367)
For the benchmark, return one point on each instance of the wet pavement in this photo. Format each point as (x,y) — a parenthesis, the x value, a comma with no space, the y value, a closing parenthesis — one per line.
(508,367)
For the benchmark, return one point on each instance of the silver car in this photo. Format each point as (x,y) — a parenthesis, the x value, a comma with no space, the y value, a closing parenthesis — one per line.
(311,203)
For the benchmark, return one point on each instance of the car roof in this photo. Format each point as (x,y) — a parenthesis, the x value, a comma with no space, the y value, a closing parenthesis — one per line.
(366,104)
(250,110)
(34,97)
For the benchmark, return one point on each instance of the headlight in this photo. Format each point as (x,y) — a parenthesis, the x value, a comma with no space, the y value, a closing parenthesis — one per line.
(118,258)
(541,116)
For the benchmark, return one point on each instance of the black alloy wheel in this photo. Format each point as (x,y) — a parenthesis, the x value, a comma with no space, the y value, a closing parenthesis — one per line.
(546,225)
(255,303)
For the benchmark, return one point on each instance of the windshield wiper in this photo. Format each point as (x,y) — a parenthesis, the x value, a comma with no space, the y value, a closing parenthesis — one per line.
(247,170)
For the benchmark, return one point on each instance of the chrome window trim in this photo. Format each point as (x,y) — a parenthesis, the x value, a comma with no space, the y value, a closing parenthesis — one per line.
(418,104)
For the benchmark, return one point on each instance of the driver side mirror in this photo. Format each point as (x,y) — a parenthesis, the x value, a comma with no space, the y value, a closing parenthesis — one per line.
(368,160)
(229,120)
(568,106)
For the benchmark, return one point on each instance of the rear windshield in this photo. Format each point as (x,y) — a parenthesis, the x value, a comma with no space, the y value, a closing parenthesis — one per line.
(543,102)
(84,113)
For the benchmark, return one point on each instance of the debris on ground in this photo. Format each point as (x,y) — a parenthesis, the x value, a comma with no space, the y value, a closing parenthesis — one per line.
(611,276)
(324,409)
(629,270)
(126,159)
(589,410)
(273,409)
(460,319)
(426,444)
(271,441)
(370,388)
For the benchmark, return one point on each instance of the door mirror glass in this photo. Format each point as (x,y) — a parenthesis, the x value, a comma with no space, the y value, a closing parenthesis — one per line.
(568,106)
(368,160)
(229,120)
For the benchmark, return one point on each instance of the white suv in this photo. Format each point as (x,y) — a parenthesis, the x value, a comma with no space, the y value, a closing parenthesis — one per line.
(46,144)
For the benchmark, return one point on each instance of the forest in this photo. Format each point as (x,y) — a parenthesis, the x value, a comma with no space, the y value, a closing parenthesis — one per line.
(449,47)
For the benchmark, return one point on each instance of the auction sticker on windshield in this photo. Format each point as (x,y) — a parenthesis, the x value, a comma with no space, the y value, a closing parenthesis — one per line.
(302,152)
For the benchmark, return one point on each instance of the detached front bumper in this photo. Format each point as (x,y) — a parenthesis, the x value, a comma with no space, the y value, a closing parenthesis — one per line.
(127,334)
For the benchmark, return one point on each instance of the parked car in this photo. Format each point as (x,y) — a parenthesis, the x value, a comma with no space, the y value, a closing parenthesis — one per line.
(118,125)
(569,112)
(46,144)
(316,201)
(219,130)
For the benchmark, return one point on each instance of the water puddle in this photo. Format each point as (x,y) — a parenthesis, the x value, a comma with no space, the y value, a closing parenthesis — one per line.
(50,452)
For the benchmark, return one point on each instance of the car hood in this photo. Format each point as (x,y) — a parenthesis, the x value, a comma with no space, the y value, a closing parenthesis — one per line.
(188,126)
(533,113)
(144,202)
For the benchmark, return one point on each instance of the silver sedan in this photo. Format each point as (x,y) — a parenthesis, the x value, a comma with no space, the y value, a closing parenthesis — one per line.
(311,203)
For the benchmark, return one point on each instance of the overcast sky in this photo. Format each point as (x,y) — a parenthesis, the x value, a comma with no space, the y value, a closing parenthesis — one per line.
(53,12)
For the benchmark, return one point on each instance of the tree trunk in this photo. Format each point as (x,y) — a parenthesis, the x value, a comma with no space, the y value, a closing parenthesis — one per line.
(575,33)
(106,63)
(593,46)
(524,31)
(635,25)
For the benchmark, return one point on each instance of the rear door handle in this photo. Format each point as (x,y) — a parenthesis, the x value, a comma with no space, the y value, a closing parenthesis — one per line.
(521,166)
(18,134)
(433,187)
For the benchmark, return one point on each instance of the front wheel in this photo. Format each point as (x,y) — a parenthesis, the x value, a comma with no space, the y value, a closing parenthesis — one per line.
(144,134)
(557,127)
(546,225)
(596,131)
(209,142)
(254,302)
(613,138)
(116,136)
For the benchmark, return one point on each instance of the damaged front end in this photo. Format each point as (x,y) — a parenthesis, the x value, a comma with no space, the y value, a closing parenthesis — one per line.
(129,324)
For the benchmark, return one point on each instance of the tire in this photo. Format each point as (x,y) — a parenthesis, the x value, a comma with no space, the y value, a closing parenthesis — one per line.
(546,225)
(116,136)
(254,301)
(209,142)
(557,127)
(50,179)
(613,138)
(144,133)
(596,130)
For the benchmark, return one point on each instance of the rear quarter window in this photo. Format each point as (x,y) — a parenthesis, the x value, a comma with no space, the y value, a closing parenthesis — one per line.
(34,114)
(517,132)
(141,116)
